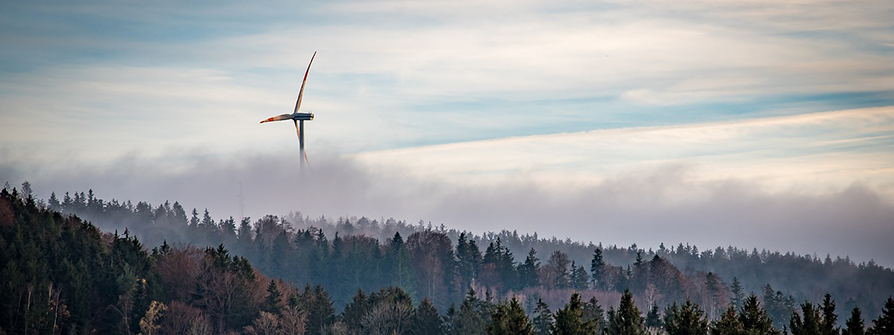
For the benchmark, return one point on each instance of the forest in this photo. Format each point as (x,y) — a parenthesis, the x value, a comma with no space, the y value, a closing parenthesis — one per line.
(78,265)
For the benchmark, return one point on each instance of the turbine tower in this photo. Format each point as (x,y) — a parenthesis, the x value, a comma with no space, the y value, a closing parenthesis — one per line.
(296,117)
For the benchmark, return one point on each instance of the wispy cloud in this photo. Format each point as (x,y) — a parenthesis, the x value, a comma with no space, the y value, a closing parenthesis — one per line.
(665,117)
(810,152)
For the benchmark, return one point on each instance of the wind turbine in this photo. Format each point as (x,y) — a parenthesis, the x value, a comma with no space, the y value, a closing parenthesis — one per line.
(297,117)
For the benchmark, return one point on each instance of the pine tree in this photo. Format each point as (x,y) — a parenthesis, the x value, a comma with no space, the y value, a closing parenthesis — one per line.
(884,325)
(570,321)
(854,324)
(543,318)
(627,319)
(687,319)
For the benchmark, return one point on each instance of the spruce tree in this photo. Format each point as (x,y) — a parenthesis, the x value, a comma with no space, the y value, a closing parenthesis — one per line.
(594,312)
(579,278)
(400,266)
(653,320)
(570,321)
(728,324)
(468,319)
(754,318)
(508,318)
(810,325)
(543,318)
(426,320)
(273,301)
(828,324)
(597,270)
(468,260)
(529,270)
(355,310)
(854,324)
(687,319)
(320,312)
(627,319)
(884,325)
(738,293)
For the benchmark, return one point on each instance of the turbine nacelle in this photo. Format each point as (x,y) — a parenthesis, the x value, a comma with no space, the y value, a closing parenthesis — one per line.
(293,116)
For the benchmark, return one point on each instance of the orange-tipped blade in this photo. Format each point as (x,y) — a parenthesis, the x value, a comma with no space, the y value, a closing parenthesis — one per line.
(278,118)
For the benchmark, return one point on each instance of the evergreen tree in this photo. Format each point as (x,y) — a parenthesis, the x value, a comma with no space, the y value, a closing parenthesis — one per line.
(593,312)
(273,302)
(509,319)
(754,318)
(529,270)
(597,270)
(830,319)
(640,278)
(738,293)
(543,318)
(320,312)
(728,324)
(653,320)
(355,310)
(468,260)
(779,307)
(570,320)
(627,319)
(400,266)
(579,278)
(854,324)
(426,320)
(687,319)
(469,318)
(499,264)
(884,325)
(810,325)
(558,268)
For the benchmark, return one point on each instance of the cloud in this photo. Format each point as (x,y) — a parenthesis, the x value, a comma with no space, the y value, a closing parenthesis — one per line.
(666,203)
(816,183)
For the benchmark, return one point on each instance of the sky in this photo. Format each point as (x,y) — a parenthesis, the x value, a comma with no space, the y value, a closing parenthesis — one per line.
(756,124)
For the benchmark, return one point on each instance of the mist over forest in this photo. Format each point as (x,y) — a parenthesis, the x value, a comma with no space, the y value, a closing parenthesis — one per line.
(443,265)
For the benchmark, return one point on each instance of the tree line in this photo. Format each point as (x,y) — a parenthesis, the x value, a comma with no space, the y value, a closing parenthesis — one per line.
(350,253)
(61,274)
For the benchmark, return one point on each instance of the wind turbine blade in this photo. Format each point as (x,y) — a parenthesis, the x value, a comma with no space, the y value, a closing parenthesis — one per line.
(297,130)
(280,117)
(301,92)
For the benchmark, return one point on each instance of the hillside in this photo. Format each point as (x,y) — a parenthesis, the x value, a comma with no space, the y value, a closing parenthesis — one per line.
(351,253)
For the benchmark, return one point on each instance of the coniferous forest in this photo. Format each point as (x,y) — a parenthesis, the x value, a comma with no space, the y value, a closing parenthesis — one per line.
(81,264)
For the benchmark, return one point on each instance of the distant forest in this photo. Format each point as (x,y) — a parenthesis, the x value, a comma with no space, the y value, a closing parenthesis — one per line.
(195,274)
